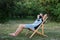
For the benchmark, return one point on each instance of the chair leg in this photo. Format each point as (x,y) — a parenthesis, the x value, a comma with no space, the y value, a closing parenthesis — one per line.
(32,34)
(35,31)
(38,33)
(43,29)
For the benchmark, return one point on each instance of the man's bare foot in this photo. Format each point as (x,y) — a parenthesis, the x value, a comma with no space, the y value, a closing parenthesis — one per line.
(12,34)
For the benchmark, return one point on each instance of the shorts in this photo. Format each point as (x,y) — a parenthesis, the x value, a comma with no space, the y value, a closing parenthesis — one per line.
(30,26)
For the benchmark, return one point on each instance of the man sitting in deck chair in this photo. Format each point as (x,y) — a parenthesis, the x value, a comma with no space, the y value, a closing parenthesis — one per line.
(32,26)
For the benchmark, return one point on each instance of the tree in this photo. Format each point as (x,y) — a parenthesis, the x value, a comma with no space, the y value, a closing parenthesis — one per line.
(6,7)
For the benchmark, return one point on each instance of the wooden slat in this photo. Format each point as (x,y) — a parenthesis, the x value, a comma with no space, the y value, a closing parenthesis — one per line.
(37,28)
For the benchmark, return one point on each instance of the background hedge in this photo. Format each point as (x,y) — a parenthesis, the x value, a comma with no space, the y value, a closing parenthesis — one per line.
(16,9)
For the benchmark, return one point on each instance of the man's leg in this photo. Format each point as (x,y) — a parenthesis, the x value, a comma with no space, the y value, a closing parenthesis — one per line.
(19,29)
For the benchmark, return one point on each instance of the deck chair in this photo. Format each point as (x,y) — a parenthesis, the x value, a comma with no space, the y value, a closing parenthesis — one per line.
(36,31)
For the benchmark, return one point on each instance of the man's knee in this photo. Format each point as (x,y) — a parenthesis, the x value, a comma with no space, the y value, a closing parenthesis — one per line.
(22,25)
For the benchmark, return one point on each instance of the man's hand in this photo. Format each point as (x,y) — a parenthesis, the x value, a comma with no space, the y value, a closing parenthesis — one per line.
(38,16)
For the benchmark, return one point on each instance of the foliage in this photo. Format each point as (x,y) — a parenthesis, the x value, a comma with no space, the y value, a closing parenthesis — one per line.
(24,8)
(6,8)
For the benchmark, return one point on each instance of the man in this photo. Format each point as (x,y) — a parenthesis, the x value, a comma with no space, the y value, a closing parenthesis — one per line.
(32,26)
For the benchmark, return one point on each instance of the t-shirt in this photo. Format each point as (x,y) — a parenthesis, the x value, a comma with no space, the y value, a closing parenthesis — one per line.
(37,22)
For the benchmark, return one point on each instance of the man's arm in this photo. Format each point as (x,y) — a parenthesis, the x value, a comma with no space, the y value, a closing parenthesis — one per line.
(44,16)
(38,16)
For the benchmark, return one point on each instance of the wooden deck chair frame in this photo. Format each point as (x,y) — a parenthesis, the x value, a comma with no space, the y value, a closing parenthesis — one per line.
(36,31)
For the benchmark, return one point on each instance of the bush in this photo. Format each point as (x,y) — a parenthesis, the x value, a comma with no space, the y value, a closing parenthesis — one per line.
(13,9)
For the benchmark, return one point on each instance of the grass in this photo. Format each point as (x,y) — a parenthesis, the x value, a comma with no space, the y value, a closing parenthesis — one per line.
(52,29)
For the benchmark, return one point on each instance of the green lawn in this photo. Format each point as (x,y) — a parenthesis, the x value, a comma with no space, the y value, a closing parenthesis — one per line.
(52,29)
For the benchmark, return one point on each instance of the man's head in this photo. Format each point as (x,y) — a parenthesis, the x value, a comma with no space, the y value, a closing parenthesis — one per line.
(40,15)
